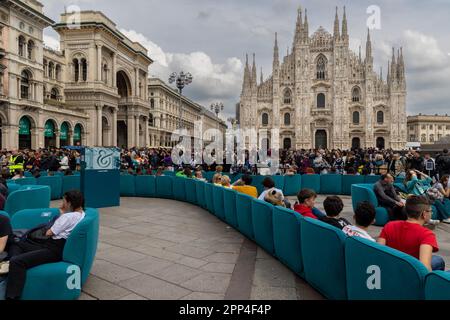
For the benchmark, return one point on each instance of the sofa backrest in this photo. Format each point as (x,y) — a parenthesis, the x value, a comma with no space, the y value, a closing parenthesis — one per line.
(81,247)
(376,272)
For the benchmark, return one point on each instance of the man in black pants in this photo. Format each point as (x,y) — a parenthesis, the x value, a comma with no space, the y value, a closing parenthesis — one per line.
(388,198)
(28,253)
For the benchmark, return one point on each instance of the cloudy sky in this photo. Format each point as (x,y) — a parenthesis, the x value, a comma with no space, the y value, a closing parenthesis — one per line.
(209,38)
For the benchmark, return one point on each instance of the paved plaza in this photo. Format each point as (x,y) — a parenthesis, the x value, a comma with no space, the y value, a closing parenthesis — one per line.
(164,249)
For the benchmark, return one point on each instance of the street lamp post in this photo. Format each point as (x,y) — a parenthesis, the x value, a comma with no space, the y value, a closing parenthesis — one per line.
(217,108)
(182,80)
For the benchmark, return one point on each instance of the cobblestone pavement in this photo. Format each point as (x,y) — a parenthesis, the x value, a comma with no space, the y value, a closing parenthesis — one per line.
(164,249)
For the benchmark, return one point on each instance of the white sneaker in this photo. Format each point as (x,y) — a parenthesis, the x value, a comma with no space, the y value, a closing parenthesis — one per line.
(433,222)
(447,221)
(4,268)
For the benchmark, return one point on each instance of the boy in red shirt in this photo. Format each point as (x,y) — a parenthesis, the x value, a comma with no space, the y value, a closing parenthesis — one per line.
(411,237)
(307,201)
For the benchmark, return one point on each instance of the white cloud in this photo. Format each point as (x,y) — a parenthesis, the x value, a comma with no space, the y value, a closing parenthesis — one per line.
(212,81)
(51,42)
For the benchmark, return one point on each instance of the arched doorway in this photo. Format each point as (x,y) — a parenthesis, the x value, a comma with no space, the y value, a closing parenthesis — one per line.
(356,143)
(24,133)
(78,135)
(321,139)
(64,135)
(122,134)
(123,84)
(287,143)
(49,134)
(381,143)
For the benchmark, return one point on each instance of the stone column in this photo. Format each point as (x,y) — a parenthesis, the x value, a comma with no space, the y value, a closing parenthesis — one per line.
(58,139)
(113,70)
(114,128)
(70,133)
(99,126)
(99,63)
(136,121)
(147,142)
(136,82)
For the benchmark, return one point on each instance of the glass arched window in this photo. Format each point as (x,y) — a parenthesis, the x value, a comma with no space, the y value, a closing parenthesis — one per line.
(356,94)
(287,97)
(54,94)
(76,70)
(424,138)
(287,119)
(22,42)
(356,117)
(380,117)
(25,85)
(84,69)
(431,137)
(152,103)
(321,68)
(265,119)
(30,50)
(321,101)
(151,121)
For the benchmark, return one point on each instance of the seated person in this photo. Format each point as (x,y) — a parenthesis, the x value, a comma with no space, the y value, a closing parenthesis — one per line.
(199,175)
(217,179)
(416,186)
(274,197)
(5,236)
(333,207)
(306,203)
(243,185)
(411,237)
(18,174)
(442,201)
(27,254)
(364,217)
(268,184)
(226,182)
(388,198)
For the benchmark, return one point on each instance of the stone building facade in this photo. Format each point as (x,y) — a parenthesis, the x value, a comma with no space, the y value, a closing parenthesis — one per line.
(94,91)
(323,95)
(428,129)
(165,115)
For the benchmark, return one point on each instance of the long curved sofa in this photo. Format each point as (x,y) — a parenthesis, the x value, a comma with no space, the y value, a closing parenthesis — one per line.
(339,267)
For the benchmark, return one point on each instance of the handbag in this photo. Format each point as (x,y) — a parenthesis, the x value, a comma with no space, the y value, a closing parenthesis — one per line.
(36,234)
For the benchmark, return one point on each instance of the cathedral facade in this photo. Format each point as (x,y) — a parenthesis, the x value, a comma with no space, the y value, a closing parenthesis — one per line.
(323,95)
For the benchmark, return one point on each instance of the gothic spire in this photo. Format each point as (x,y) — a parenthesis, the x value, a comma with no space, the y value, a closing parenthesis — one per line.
(254,72)
(299,27)
(247,81)
(306,25)
(344,26)
(389,72)
(262,76)
(276,53)
(336,25)
(360,54)
(369,58)
(393,66)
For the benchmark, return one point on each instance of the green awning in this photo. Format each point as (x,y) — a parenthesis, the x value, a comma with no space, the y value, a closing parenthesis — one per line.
(64,133)
(49,131)
(24,126)
(77,133)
